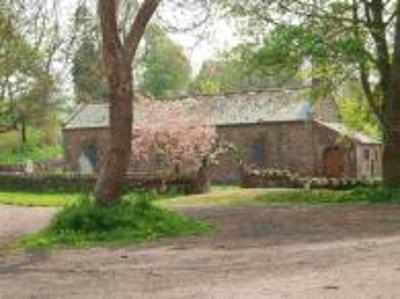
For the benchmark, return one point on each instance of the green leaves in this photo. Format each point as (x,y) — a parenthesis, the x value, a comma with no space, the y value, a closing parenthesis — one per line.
(17,54)
(25,82)
(166,69)
(88,73)
(234,70)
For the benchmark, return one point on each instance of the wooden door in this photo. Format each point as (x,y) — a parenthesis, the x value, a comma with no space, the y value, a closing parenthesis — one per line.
(335,162)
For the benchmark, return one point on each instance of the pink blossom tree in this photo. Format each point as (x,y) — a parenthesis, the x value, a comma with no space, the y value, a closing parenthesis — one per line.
(185,143)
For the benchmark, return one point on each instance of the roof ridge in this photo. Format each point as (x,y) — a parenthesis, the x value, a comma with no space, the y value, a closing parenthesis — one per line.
(354,134)
(242,92)
(282,106)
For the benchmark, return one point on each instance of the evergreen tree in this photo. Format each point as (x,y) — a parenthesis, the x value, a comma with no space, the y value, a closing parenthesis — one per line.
(88,72)
(166,69)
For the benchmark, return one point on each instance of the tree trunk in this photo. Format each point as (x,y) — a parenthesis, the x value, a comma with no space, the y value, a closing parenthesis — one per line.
(391,159)
(202,182)
(391,150)
(23,131)
(118,56)
(111,180)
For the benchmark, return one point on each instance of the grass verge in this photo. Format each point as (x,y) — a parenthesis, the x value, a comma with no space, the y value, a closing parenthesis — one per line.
(367,195)
(37,199)
(217,196)
(222,196)
(135,219)
(236,195)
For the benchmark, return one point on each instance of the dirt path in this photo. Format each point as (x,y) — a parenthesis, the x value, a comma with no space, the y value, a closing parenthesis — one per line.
(257,252)
(15,221)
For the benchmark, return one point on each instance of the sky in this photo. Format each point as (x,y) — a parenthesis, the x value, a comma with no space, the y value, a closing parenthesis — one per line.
(219,35)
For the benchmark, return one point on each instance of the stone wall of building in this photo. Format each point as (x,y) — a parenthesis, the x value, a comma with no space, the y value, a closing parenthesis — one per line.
(325,139)
(295,146)
(369,161)
(298,146)
(76,143)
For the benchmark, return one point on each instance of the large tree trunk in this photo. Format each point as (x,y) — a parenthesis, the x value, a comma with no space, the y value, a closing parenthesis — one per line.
(113,172)
(390,84)
(391,159)
(118,56)
(391,151)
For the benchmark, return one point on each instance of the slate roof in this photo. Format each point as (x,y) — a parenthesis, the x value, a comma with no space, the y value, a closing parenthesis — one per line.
(229,109)
(278,105)
(342,129)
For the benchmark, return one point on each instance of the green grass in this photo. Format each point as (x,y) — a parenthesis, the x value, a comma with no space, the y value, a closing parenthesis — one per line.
(363,195)
(135,219)
(9,140)
(223,196)
(40,199)
(235,195)
(142,216)
(217,196)
(12,150)
(57,198)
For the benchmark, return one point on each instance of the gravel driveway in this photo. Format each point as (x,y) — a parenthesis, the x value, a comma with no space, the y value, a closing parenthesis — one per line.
(16,221)
(256,252)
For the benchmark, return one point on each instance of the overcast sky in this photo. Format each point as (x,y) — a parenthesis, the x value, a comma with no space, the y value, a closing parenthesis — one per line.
(219,35)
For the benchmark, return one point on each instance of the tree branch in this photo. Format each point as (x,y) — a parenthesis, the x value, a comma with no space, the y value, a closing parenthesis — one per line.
(369,95)
(377,28)
(109,24)
(364,74)
(396,57)
(138,27)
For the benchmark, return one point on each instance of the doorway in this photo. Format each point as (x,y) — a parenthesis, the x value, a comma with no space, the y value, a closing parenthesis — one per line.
(335,162)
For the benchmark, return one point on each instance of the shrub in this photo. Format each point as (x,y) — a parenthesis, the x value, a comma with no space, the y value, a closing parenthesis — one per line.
(134,219)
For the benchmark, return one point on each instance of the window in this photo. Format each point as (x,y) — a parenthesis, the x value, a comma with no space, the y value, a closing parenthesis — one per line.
(91,154)
(88,159)
(258,157)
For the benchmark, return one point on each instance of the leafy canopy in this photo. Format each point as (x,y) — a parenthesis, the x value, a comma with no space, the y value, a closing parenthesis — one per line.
(166,69)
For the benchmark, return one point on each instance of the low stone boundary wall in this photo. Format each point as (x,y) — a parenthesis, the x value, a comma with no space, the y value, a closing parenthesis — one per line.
(12,168)
(45,182)
(50,165)
(268,178)
(277,178)
(71,182)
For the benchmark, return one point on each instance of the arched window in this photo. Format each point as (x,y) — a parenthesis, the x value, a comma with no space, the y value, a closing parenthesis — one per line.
(91,154)
(88,159)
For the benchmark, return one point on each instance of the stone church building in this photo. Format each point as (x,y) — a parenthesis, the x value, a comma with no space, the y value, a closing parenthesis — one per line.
(271,128)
